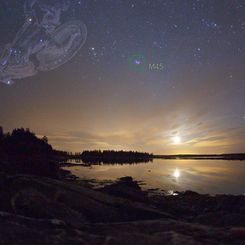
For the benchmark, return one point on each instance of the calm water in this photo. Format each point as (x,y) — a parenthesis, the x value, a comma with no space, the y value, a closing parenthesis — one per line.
(203,176)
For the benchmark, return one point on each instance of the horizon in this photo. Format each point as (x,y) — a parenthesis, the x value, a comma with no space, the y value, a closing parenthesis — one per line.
(111,149)
(117,149)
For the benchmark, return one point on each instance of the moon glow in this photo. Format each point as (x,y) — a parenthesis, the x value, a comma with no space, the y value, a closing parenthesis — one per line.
(177,140)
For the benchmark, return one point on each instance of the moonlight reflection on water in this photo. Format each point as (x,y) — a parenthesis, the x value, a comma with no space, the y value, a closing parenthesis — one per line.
(203,176)
(176,173)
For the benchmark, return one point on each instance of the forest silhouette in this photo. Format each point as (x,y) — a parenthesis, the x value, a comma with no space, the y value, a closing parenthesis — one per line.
(21,151)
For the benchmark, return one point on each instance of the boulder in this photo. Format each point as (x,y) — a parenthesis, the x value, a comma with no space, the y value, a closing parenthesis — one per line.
(34,196)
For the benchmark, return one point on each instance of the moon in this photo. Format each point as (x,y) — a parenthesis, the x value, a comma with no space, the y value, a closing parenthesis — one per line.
(177,140)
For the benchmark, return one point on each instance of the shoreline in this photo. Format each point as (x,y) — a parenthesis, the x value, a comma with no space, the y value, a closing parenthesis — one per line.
(95,184)
(72,212)
(161,175)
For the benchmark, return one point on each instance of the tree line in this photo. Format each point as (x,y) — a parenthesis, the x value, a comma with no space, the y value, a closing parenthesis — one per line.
(21,151)
(25,145)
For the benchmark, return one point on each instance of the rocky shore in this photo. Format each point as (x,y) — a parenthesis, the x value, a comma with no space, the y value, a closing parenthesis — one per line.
(41,210)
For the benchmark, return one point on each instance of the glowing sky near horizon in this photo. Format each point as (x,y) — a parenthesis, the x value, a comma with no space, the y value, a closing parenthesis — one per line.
(107,97)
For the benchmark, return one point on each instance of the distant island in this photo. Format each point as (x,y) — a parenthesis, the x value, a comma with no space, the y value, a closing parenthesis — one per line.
(231,156)
(110,157)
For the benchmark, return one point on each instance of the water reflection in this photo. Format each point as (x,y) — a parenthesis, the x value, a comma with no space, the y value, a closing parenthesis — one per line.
(92,162)
(203,176)
(176,173)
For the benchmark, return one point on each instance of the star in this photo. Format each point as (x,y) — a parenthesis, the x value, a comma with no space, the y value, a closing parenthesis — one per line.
(137,62)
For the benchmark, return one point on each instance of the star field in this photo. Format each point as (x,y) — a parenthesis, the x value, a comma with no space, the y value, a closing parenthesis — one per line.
(199,93)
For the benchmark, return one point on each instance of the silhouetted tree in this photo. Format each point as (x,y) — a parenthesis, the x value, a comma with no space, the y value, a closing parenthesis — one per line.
(1,132)
(45,139)
(25,153)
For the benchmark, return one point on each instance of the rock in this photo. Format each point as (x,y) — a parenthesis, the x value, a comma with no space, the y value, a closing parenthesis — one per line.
(164,232)
(29,202)
(189,193)
(34,196)
(125,187)
(17,230)
(238,232)
(230,203)
(39,210)
(221,219)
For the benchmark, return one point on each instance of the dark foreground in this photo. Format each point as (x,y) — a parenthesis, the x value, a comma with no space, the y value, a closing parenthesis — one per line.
(41,210)
(39,204)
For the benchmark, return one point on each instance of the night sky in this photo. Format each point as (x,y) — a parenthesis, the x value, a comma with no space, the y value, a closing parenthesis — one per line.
(154,75)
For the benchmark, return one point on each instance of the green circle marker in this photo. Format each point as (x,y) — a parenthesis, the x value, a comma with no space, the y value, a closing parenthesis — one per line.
(137,62)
